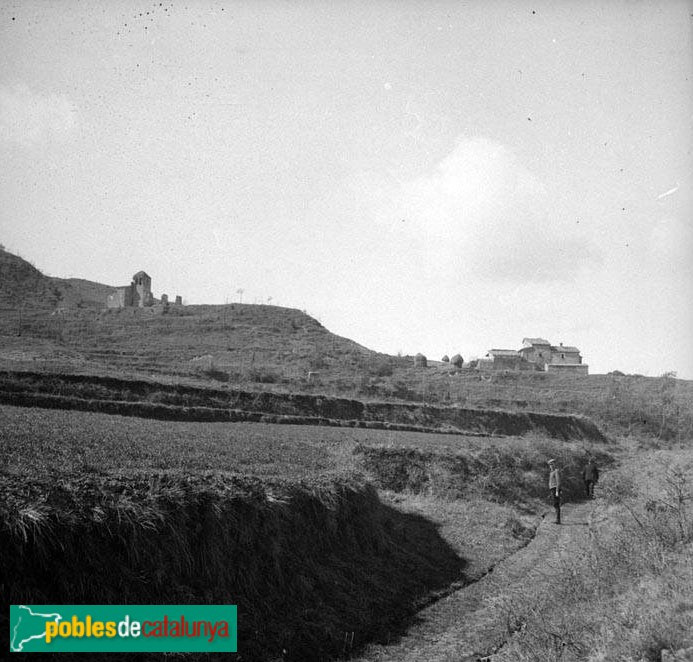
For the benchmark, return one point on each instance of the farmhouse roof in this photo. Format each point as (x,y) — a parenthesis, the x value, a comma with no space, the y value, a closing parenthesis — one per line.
(502,352)
(535,341)
(141,273)
(564,348)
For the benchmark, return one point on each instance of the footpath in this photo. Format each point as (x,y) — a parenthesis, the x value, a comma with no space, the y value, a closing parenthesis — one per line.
(469,625)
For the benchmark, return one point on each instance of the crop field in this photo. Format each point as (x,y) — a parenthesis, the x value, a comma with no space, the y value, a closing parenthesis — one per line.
(45,441)
(35,441)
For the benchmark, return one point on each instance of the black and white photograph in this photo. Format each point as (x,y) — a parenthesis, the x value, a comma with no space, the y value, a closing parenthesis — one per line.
(353,330)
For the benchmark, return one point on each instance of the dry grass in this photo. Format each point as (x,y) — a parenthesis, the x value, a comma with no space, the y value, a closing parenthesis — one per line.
(45,441)
(305,562)
(481,531)
(506,470)
(625,595)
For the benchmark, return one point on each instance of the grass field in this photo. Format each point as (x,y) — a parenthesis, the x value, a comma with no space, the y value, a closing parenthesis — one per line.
(429,473)
(73,442)
(36,442)
(40,442)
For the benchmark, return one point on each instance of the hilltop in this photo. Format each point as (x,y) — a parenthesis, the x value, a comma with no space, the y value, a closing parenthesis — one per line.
(81,293)
(23,285)
(62,325)
(27,293)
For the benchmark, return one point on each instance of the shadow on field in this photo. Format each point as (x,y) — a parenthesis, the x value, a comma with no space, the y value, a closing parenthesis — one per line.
(318,570)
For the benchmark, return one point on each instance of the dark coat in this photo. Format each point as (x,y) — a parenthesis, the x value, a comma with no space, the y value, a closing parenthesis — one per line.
(590,472)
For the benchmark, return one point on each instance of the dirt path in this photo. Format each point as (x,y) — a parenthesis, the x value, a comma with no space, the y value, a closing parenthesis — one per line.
(466,626)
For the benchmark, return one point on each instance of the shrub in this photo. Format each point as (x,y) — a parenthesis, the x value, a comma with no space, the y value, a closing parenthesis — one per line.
(401,389)
(381,368)
(263,376)
(317,362)
(217,375)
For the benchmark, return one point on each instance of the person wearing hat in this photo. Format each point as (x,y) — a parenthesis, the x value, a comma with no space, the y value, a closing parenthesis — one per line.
(555,488)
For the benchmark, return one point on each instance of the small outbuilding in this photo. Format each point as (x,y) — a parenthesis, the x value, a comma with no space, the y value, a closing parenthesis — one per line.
(501,359)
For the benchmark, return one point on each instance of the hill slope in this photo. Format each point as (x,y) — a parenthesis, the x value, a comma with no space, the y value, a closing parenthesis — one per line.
(23,285)
(59,325)
(63,324)
(82,293)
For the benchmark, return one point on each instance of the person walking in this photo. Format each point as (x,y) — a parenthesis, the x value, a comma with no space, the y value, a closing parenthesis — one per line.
(555,488)
(590,476)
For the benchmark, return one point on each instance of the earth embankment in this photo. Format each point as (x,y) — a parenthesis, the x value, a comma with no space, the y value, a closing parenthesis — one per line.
(315,569)
(188,403)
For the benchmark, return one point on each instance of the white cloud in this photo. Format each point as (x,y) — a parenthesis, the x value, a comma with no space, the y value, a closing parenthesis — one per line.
(485,214)
(28,118)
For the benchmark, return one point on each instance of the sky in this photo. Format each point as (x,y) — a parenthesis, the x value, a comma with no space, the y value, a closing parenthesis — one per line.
(438,177)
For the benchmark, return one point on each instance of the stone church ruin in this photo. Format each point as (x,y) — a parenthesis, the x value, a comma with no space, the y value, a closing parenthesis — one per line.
(138,294)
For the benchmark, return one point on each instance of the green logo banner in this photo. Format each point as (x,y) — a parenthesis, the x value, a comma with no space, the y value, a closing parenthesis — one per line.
(123,628)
